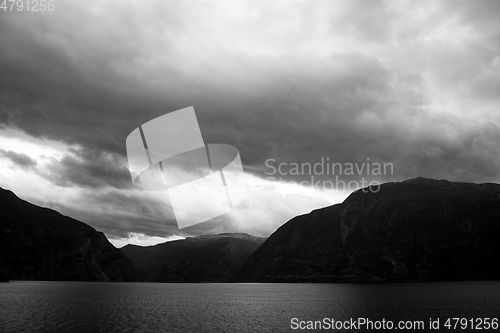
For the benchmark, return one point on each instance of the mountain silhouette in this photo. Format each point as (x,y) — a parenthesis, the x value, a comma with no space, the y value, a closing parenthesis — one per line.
(207,258)
(416,230)
(41,244)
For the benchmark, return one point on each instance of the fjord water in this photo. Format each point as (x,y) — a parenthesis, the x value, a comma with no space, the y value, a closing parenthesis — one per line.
(153,307)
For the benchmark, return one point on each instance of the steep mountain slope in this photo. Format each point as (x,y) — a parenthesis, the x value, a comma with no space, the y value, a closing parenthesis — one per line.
(40,244)
(416,230)
(194,259)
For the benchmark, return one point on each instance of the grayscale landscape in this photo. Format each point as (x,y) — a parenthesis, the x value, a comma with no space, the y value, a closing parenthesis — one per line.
(246,166)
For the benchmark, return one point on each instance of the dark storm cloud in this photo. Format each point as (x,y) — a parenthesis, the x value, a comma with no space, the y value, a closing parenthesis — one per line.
(368,111)
(278,114)
(50,92)
(306,114)
(21,160)
(118,213)
(291,109)
(89,168)
(89,76)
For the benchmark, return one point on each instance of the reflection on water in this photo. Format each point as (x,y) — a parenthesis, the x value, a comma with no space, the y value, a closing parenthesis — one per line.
(150,307)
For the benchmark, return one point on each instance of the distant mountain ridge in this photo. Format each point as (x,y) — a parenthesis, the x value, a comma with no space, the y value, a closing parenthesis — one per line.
(207,258)
(416,230)
(41,244)
(230,235)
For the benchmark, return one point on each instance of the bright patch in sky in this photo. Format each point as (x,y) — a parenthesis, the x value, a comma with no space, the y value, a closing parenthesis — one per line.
(411,83)
(142,240)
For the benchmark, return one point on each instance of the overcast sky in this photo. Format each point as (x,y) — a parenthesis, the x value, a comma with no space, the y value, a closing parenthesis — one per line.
(414,84)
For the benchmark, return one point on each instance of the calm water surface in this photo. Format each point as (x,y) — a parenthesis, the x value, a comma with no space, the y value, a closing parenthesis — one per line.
(150,307)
